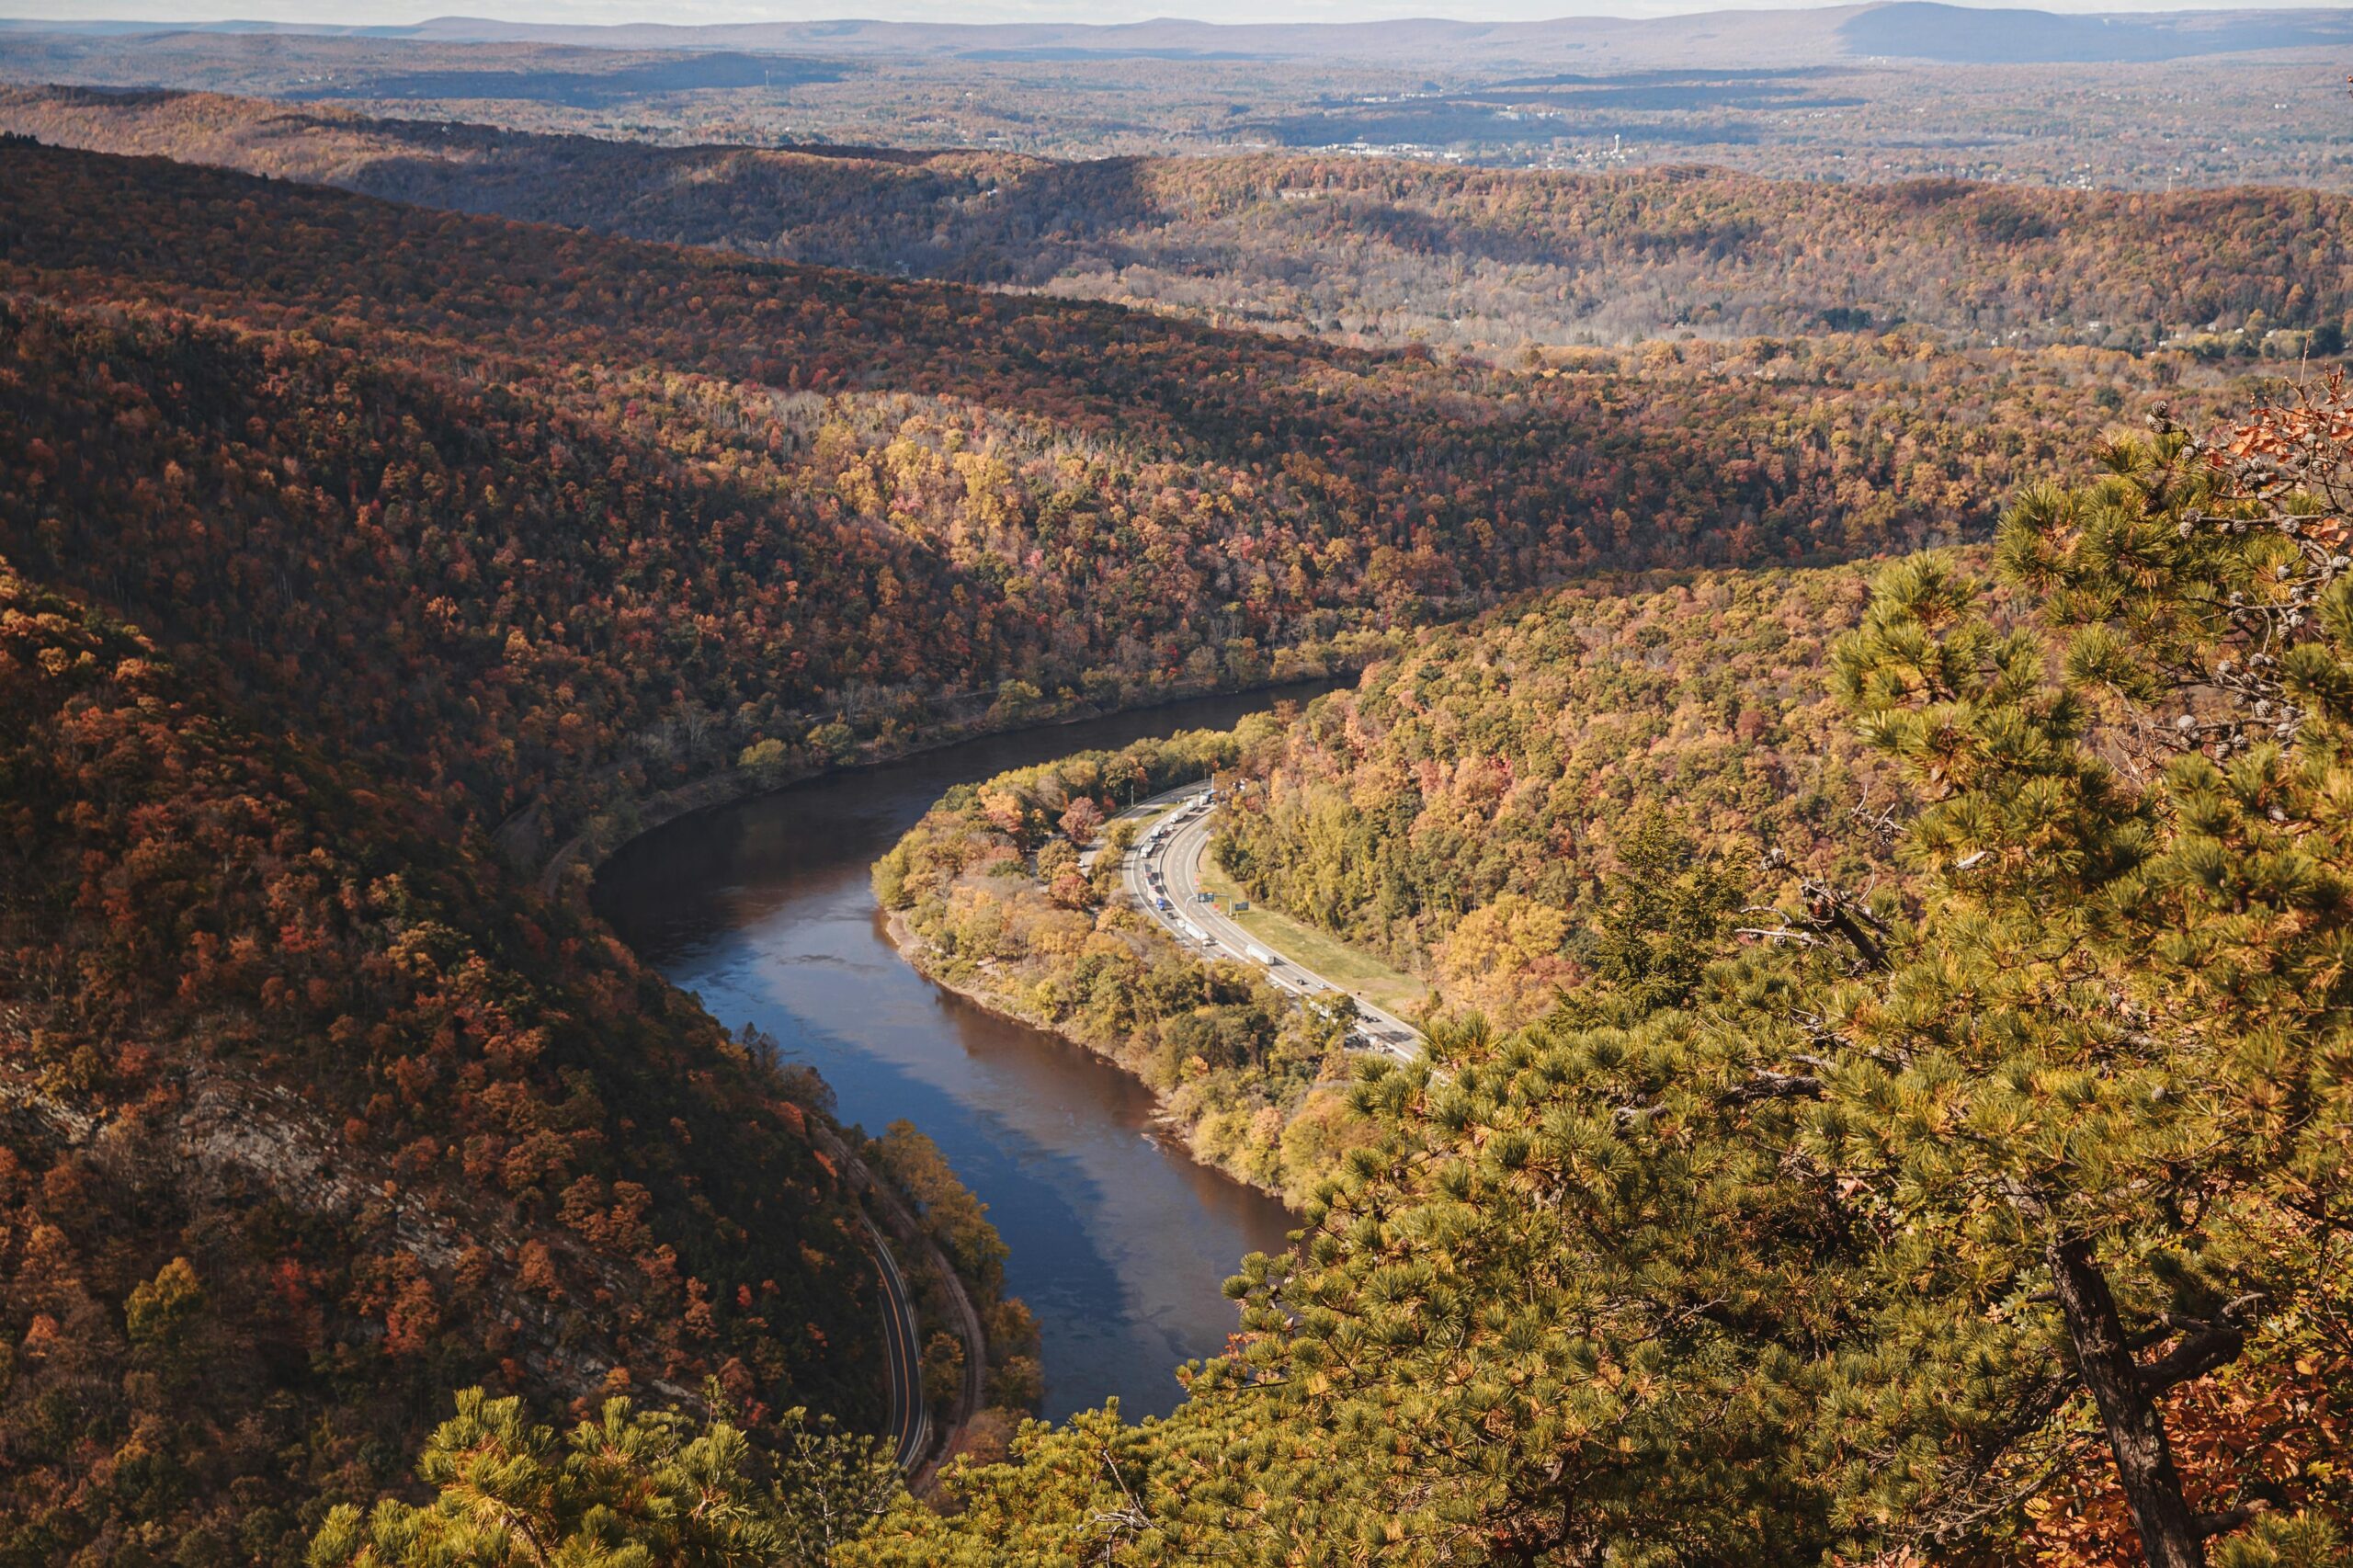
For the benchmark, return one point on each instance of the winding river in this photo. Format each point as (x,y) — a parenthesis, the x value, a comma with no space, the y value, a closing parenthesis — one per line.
(1119,1240)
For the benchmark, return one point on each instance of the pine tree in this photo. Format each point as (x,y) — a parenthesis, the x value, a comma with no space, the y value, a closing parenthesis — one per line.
(2101,1091)
(627,1489)
(1662,917)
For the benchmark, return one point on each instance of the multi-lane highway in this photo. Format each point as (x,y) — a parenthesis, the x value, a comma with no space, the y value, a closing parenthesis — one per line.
(902,1355)
(1163,873)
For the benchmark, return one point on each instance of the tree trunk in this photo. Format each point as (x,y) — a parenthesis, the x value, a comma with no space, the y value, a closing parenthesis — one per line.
(2170,1537)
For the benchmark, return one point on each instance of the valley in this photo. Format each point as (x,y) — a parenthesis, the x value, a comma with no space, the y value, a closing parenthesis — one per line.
(764,911)
(1852,94)
(947,793)
(1341,249)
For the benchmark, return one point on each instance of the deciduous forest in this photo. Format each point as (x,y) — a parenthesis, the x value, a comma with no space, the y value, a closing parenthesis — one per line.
(298,423)
(987,896)
(1371,253)
(1841,691)
(1986,1211)
(1463,810)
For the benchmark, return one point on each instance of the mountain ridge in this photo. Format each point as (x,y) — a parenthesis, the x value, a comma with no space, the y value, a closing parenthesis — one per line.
(1955,33)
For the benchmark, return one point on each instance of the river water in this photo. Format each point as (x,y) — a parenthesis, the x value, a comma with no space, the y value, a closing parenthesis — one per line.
(1120,1241)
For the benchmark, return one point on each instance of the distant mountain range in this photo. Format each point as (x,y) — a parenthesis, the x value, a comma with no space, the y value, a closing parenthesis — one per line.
(1917,29)
(1907,30)
(1375,254)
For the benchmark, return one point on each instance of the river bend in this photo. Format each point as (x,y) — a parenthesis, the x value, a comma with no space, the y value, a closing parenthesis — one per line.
(1119,1240)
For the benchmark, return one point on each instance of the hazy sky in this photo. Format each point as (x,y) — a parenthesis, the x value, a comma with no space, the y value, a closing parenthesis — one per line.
(380,12)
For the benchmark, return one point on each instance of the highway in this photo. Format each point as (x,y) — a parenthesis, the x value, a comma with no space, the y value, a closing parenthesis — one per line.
(1165,864)
(903,1354)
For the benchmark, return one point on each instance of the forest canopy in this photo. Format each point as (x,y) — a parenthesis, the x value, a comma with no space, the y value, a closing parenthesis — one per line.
(1995,1214)
(391,470)
(361,562)
(1372,252)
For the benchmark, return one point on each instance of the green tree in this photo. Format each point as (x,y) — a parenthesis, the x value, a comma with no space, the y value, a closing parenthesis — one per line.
(2101,1091)
(1662,917)
(627,1489)
(162,1317)
(1840,1243)
(828,1487)
(943,1370)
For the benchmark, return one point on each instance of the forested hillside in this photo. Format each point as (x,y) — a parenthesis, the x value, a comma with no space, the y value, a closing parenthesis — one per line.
(1992,1217)
(360,554)
(1863,92)
(311,1115)
(1381,251)
(1462,810)
(1469,811)
(393,470)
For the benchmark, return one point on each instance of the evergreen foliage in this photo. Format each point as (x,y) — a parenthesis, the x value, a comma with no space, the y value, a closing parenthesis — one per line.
(2000,1221)
(1995,1211)
(623,1489)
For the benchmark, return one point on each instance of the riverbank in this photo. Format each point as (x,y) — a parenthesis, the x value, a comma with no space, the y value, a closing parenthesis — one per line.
(1184,1130)
(769,768)
(765,910)
(987,897)
(962,1428)
(905,1233)
(1002,1003)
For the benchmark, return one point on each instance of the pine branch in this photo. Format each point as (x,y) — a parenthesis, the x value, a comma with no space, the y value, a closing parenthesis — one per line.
(1765,1085)
(2208,1344)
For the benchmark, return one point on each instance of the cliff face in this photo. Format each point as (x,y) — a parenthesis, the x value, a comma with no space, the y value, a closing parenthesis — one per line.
(220,1144)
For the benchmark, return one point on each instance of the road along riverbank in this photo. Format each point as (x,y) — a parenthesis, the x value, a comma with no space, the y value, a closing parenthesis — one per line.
(993,895)
(765,908)
(1162,874)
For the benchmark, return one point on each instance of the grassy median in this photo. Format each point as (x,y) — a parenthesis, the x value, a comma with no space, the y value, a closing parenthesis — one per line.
(1352,970)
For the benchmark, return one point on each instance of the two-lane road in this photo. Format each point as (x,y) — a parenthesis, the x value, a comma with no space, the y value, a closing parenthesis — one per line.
(1169,868)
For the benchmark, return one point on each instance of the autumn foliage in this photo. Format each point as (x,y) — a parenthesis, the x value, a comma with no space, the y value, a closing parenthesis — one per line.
(359,556)
(311,1115)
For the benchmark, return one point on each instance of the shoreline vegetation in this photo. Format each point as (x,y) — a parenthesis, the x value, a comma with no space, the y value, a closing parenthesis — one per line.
(980,1365)
(987,897)
(1510,754)
(1168,1117)
(1810,1168)
(1892,1099)
(759,771)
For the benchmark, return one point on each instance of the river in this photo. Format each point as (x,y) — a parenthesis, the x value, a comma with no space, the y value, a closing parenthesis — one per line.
(1119,1240)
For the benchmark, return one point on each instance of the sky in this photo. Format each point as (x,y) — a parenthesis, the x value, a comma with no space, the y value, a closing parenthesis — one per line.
(347,13)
